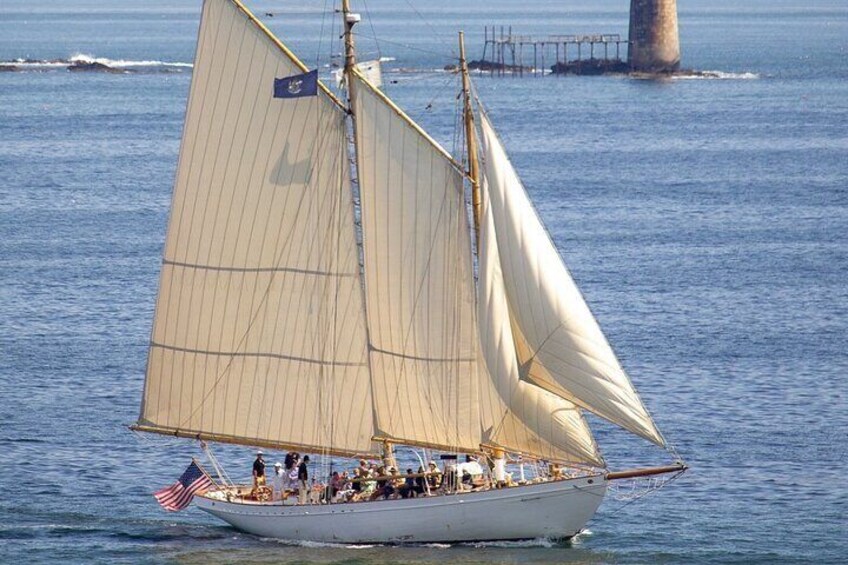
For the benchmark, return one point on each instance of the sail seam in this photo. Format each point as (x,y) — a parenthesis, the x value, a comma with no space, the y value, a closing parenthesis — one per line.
(294,270)
(234,354)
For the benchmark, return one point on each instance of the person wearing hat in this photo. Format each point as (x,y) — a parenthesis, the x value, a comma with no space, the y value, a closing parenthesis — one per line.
(434,476)
(258,473)
(279,481)
(303,480)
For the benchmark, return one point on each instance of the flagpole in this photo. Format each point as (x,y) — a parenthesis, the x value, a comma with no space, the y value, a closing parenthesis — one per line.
(202,470)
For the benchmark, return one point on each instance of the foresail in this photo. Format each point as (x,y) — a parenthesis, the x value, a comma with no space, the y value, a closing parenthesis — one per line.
(259,331)
(517,415)
(419,282)
(560,346)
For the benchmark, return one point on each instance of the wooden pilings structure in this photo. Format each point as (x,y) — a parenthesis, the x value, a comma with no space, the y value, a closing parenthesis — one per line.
(505,52)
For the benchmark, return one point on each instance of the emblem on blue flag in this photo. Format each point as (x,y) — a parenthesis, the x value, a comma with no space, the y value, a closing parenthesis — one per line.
(296,86)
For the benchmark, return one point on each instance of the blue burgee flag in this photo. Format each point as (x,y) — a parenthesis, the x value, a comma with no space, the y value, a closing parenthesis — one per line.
(296,86)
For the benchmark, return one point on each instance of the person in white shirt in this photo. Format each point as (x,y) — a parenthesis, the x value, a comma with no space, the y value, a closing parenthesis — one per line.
(278,481)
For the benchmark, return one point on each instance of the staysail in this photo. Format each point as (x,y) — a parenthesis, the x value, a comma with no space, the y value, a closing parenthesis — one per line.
(419,280)
(559,345)
(259,333)
(519,416)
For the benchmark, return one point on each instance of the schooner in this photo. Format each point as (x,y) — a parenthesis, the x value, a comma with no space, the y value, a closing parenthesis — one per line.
(325,288)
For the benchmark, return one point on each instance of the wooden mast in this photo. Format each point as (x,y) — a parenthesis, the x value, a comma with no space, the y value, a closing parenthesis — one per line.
(470,138)
(350,19)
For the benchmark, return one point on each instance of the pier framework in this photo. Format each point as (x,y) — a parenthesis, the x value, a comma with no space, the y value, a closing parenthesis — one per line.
(591,54)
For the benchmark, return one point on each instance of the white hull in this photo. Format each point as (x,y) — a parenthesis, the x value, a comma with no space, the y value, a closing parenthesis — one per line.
(554,510)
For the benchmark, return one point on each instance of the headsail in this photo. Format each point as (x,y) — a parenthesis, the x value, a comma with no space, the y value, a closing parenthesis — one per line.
(419,282)
(519,416)
(560,346)
(259,331)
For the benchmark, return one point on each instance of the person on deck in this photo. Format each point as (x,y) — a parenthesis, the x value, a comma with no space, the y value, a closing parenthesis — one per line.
(303,480)
(258,473)
(384,486)
(278,481)
(420,482)
(360,473)
(434,477)
(336,485)
(407,490)
(292,471)
(467,480)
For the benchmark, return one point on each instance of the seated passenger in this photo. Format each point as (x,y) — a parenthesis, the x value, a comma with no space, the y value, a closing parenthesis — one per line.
(420,482)
(384,485)
(407,489)
(334,487)
(434,476)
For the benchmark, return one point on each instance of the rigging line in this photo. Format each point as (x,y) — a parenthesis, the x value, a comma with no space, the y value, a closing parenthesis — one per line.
(438,93)
(373,31)
(441,54)
(427,23)
(320,36)
(653,488)
(451,81)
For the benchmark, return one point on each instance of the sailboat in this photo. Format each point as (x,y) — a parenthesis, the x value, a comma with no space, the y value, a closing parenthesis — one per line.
(327,288)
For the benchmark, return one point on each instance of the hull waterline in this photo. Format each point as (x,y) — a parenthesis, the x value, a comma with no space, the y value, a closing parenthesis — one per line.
(557,510)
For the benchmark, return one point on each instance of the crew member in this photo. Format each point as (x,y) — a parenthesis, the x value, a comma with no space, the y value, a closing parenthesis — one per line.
(303,480)
(258,473)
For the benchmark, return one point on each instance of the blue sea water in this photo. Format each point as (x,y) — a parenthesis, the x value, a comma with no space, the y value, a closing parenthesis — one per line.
(706,221)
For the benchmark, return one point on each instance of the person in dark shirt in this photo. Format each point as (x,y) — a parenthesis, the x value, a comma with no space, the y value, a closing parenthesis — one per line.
(258,473)
(303,479)
(420,482)
(407,489)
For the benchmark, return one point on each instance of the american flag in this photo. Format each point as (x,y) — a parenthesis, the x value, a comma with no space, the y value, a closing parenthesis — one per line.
(179,495)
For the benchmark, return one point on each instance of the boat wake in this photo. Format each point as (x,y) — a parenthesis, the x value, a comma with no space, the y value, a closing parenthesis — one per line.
(320,544)
(85,62)
(545,543)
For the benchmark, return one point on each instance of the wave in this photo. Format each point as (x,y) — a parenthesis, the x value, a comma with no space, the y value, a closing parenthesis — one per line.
(546,543)
(123,63)
(83,61)
(319,544)
(715,75)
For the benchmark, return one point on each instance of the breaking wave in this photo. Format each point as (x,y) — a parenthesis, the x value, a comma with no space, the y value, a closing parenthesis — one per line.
(715,75)
(82,61)
(538,542)
(123,63)
(319,544)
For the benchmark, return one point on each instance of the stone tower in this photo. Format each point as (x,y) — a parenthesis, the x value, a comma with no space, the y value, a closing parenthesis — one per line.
(654,39)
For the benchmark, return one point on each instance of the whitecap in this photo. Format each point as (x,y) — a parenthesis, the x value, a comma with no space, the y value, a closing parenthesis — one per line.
(84,58)
(716,75)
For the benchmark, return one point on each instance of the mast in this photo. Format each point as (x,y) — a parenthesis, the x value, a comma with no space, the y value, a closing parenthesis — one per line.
(468,115)
(350,20)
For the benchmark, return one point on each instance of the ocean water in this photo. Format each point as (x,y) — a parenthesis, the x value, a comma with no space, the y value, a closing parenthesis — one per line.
(706,221)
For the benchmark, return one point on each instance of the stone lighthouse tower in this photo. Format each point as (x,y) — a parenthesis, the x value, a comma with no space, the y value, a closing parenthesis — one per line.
(654,39)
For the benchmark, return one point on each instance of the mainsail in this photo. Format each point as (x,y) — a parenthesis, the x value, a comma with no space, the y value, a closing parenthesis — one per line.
(419,280)
(559,344)
(259,333)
